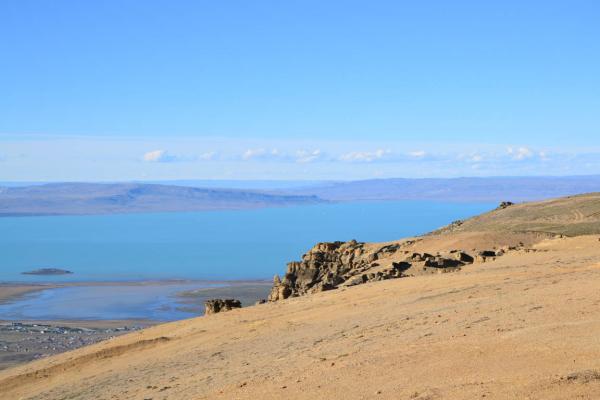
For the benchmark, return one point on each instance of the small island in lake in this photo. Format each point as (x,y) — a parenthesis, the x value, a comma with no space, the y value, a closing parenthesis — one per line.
(47,271)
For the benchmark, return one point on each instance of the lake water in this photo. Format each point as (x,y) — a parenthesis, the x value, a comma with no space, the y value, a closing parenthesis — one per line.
(216,245)
(245,244)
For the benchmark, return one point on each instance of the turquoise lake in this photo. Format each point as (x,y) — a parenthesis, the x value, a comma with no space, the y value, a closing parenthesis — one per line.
(245,244)
(196,247)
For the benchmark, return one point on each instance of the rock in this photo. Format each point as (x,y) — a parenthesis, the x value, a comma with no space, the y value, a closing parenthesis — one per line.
(401,266)
(356,280)
(324,267)
(463,257)
(441,262)
(484,255)
(505,204)
(375,256)
(387,250)
(420,257)
(218,305)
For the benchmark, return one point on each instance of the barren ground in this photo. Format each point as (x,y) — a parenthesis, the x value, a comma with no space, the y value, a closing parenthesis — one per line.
(522,326)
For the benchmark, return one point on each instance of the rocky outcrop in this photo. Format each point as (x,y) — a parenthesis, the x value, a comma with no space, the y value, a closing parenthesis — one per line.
(505,204)
(219,305)
(486,255)
(331,265)
(324,267)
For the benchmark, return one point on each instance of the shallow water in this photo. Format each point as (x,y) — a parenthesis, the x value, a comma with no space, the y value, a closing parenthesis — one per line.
(153,302)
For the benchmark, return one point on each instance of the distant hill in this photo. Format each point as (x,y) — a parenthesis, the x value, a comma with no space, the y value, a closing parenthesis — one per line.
(96,198)
(493,189)
(108,198)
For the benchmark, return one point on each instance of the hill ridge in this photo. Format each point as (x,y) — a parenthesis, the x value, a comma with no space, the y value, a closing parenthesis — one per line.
(107,198)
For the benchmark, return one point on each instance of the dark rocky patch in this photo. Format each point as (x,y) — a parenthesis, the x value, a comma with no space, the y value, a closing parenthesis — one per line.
(505,204)
(219,305)
(47,271)
(586,376)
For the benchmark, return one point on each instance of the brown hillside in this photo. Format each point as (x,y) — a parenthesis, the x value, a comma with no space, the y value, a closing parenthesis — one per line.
(571,216)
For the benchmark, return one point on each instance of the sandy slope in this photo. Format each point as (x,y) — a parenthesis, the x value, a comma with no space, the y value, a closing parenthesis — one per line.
(573,215)
(525,326)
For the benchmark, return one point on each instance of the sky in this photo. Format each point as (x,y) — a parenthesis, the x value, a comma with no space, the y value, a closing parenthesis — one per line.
(132,90)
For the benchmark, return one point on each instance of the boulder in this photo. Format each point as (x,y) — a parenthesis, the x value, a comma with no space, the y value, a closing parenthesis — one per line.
(441,262)
(505,204)
(214,306)
(420,257)
(463,257)
(484,255)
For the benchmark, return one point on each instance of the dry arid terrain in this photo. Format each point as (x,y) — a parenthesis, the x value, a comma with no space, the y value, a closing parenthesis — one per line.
(521,325)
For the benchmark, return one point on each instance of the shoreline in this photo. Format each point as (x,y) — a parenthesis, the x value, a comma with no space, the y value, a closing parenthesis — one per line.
(177,299)
(23,340)
(85,323)
(11,291)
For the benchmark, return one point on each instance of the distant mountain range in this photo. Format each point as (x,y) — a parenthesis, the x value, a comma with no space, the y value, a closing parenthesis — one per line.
(110,198)
(493,189)
(96,198)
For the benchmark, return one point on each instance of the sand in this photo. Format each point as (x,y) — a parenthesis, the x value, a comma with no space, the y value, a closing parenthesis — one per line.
(524,326)
(9,292)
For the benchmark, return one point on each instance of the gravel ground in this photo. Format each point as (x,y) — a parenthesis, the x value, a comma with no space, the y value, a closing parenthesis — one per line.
(23,342)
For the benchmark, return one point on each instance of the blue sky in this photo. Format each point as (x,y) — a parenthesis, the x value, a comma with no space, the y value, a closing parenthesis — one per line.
(298,89)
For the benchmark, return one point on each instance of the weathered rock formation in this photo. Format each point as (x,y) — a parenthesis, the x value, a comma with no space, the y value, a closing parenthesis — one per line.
(218,305)
(324,267)
(331,265)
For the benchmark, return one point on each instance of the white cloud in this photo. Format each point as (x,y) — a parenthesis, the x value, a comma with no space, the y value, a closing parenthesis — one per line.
(299,156)
(520,153)
(208,156)
(472,157)
(159,156)
(261,154)
(163,156)
(417,154)
(306,156)
(365,156)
